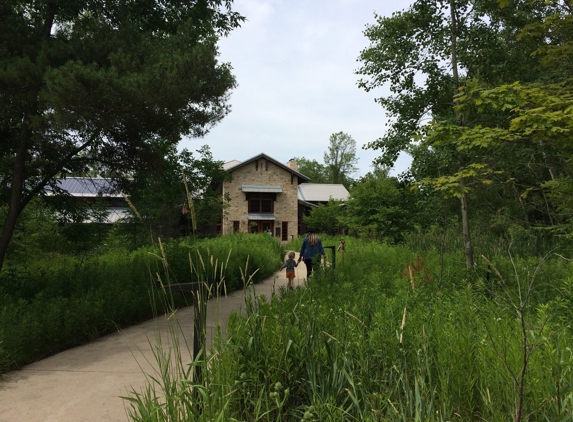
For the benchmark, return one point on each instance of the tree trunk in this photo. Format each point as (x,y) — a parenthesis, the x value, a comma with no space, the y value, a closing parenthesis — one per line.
(468,247)
(17,201)
(15,206)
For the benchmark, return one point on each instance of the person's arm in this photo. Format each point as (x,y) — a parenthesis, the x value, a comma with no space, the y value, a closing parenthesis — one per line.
(303,249)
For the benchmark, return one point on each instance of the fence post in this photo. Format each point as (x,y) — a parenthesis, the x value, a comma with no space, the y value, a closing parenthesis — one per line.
(199,293)
(332,248)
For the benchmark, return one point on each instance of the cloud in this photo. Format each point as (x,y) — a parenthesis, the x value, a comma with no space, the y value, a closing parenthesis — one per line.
(294,62)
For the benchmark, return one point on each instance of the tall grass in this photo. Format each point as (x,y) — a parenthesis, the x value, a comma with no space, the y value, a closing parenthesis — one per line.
(377,339)
(60,301)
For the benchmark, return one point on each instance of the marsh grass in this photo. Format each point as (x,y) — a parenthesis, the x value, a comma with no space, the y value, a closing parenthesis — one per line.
(56,301)
(374,341)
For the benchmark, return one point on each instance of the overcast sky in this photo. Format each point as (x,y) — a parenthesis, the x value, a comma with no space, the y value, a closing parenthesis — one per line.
(295,63)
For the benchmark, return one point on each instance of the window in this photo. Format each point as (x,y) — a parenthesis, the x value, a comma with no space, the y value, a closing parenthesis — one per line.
(285,231)
(261,202)
(235,226)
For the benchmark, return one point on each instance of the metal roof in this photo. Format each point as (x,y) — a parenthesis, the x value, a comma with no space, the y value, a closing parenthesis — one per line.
(262,188)
(230,164)
(319,192)
(261,217)
(87,187)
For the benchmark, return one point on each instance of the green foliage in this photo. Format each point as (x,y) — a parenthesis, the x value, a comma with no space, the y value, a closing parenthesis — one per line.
(373,341)
(493,151)
(367,343)
(410,52)
(379,208)
(93,84)
(159,194)
(340,159)
(37,233)
(241,253)
(55,301)
(515,136)
(315,171)
(327,218)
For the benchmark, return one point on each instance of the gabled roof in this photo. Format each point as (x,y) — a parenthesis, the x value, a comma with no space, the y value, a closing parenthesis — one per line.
(87,187)
(319,192)
(230,164)
(234,165)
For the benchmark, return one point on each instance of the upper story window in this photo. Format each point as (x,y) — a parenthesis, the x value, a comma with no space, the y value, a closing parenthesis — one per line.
(261,202)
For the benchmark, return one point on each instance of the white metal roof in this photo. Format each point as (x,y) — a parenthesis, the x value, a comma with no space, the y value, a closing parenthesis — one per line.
(230,164)
(88,187)
(321,192)
(261,217)
(262,188)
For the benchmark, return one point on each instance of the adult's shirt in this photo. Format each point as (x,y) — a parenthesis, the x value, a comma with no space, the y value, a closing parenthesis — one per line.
(310,251)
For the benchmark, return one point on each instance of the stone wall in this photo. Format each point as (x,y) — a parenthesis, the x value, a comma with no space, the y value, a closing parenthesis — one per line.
(262,172)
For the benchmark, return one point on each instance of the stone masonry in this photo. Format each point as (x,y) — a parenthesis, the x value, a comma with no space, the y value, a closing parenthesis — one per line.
(266,173)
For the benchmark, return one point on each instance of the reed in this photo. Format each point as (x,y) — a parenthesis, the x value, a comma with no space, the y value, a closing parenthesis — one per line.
(360,343)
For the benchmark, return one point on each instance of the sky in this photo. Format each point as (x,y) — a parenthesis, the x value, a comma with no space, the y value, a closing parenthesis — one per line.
(295,63)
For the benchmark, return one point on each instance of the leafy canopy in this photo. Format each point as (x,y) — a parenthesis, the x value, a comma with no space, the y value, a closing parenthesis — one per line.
(89,83)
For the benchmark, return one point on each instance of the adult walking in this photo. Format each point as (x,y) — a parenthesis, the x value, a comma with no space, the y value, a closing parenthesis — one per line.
(311,249)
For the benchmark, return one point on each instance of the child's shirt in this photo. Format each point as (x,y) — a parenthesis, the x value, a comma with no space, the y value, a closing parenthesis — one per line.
(289,265)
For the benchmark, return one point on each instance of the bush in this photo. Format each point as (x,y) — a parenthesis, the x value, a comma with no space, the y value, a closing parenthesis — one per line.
(61,301)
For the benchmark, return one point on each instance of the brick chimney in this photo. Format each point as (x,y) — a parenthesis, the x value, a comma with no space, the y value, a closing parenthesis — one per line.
(292,164)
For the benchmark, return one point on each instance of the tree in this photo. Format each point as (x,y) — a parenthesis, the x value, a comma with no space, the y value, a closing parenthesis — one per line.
(85,82)
(426,52)
(340,159)
(378,208)
(527,145)
(160,197)
(326,218)
(315,171)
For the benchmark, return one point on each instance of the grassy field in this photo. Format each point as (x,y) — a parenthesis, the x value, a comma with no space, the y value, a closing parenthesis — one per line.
(391,334)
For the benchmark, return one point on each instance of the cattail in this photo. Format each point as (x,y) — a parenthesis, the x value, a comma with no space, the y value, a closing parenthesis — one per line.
(190,202)
(411,277)
(403,325)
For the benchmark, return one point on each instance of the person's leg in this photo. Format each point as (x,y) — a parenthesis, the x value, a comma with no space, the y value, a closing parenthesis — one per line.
(308,263)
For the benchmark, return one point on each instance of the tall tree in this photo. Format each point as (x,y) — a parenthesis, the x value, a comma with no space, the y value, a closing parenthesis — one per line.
(97,81)
(160,197)
(340,159)
(528,145)
(379,208)
(426,52)
(312,169)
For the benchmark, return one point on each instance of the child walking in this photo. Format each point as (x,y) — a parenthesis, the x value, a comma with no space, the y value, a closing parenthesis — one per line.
(290,264)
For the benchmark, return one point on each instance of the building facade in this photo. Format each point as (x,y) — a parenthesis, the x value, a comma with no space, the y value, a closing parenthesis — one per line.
(263,196)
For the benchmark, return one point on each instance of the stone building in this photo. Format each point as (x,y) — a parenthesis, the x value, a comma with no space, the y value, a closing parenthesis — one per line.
(265,195)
